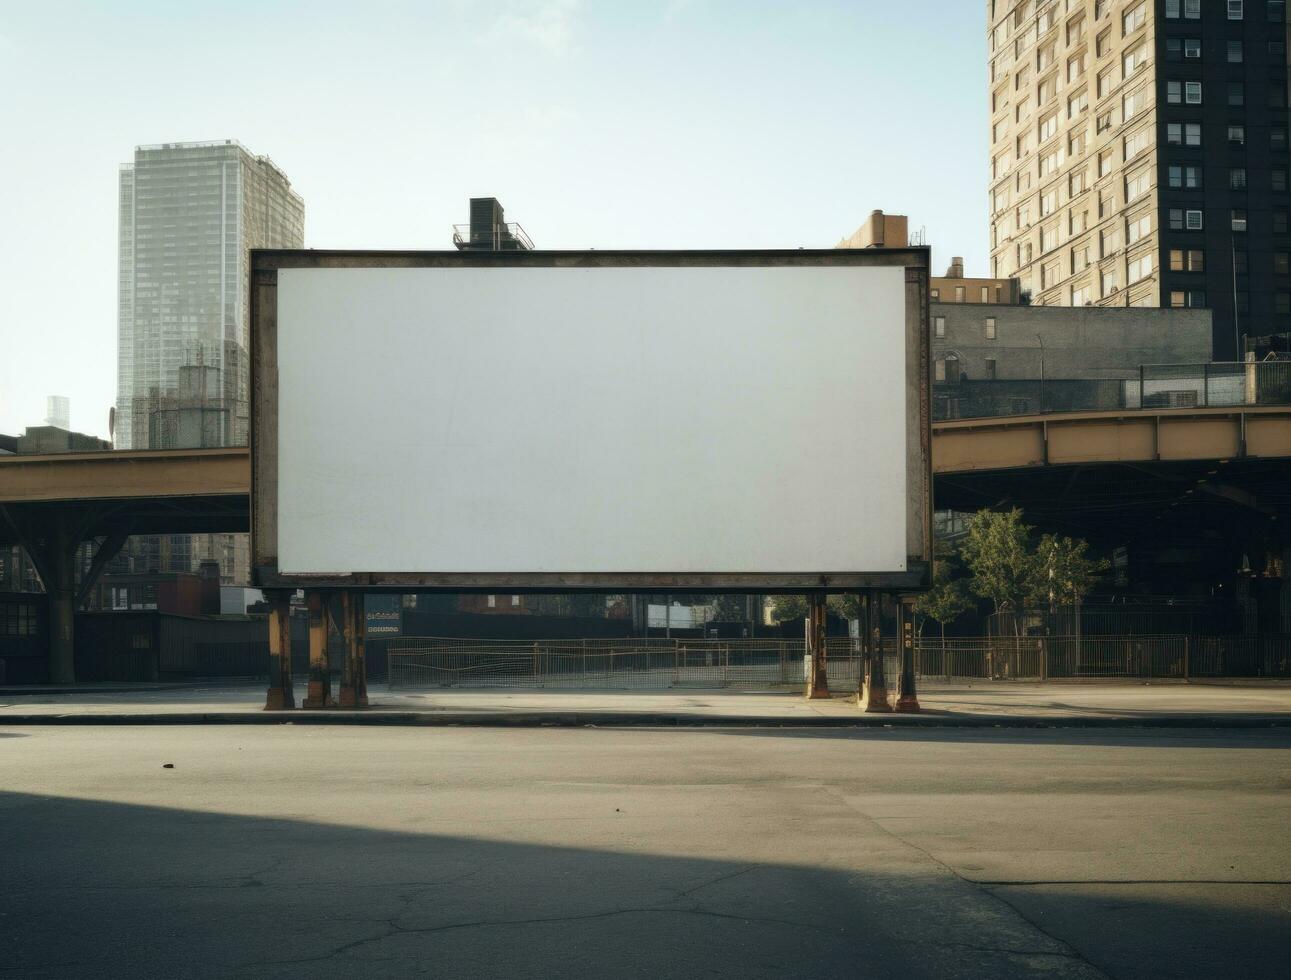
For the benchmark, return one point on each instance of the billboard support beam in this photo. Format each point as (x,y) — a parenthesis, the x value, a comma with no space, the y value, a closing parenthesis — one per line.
(280,696)
(354,679)
(907,700)
(876,688)
(319,694)
(817,678)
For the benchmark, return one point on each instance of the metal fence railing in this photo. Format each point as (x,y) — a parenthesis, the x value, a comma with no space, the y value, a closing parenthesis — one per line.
(1220,384)
(660,664)
(624,663)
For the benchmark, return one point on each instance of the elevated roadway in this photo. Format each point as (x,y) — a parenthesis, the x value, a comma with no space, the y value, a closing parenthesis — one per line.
(1111,476)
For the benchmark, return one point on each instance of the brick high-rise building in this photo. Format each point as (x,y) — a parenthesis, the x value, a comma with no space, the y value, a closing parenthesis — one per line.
(1139,156)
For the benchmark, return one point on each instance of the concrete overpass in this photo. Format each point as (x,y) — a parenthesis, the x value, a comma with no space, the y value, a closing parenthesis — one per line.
(1110,476)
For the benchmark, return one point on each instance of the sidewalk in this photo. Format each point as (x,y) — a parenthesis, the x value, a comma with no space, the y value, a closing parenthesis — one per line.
(985,705)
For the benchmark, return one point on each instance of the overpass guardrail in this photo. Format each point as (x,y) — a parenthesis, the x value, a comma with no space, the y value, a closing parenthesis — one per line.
(1221,384)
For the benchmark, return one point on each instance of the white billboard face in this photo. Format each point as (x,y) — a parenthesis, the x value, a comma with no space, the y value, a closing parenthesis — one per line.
(608,419)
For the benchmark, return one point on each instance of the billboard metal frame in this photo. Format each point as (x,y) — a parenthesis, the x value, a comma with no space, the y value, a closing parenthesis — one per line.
(265,264)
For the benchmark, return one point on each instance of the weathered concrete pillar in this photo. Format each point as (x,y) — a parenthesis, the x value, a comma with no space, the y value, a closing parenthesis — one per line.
(319,693)
(876,688)
(906,698)
(280,696)
(354,679)
(817,678)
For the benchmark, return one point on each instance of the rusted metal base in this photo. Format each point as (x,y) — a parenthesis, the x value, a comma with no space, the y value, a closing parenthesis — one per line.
(875,700)
(907,703)
(279,699)
(318,696)
(817,677)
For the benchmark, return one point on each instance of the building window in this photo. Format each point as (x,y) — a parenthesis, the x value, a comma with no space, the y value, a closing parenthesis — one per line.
(990,369)
(959,294)
(515,600)
(1277,10)
(1191,298)
(1237,178)
(1236,94)
(1235,53)
(1277,138)
(1193,220)
(493,602)
(1187,260)
(1174,92)
(1183,134)
(1281,263)
(1236,135)
(1277,50)
(1137,186)
(936,295)
(1282,303)
(1235,9)
(1132,20)
(939,369)
(1280,222)
(1139,268)
(1239,219)
(1192,47)
(1192,93)
(939,327)
(990,322)
(1138,228)
(986,294)
(1279,180)
(1184,177)
(1080,296)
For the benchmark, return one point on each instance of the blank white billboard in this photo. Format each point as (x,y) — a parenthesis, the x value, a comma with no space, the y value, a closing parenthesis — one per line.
(607,419)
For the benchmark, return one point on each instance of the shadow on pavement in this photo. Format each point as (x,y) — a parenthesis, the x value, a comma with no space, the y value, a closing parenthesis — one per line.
(100,889)
(1127,737)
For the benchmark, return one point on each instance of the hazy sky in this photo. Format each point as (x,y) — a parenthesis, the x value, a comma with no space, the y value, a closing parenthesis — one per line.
(597,123)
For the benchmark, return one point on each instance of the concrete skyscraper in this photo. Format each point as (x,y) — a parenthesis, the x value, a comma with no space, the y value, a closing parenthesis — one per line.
(1139,156)
(189,214)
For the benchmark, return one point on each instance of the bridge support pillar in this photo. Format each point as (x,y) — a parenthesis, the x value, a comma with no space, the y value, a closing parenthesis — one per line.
(354,679)
(907,700)
(281,696)
(319,692)
(817,678)
(875,698)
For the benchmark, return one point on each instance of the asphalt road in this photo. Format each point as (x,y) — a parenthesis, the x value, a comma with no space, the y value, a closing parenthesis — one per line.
(593,853)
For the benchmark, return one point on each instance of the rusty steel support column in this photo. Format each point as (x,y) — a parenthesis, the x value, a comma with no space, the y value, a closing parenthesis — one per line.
(863,644)
(876,688)
(907,701)
(817,679)
(319,694)
(354,680)
(281,696)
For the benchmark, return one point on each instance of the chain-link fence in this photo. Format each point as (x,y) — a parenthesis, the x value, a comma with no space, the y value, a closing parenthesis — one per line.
(662,664)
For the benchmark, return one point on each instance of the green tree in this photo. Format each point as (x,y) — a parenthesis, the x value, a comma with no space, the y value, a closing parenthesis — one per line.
(997,552)
(945,601)
(1066,572)
(787,607)
(845,606)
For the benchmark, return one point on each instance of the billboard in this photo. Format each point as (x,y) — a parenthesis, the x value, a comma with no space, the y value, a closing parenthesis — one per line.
(600,420)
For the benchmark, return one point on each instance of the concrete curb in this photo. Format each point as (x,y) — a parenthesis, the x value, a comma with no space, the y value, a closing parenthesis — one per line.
(611,719)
